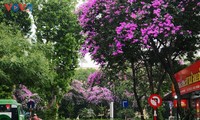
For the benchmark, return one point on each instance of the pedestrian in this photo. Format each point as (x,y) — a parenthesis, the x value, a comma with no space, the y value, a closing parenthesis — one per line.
(35,117)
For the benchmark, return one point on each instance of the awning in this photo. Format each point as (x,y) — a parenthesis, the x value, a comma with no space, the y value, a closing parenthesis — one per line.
(168,97)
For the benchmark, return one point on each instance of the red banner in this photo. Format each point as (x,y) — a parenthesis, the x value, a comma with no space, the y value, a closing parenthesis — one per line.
(189,78)
(190,88)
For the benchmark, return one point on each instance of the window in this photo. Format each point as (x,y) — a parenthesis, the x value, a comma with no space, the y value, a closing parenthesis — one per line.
(5,108)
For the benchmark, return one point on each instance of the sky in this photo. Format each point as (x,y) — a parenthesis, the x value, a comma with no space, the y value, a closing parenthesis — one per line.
(79,2)
(87,62)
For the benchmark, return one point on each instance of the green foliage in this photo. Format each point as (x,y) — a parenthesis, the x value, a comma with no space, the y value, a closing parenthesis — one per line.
(82,74)
(43,65)
(17,20)
(21,62)
(5,92)
(57,25)
(47,64)
(128,113)
(87,113)
(49,113)
(9,49)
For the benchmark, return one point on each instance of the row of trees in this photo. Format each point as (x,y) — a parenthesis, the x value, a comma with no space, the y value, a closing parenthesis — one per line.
(137,41)
(141,36)
(39,49)
(88,97)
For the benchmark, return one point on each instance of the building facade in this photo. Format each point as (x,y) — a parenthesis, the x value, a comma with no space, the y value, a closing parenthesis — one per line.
(188,80)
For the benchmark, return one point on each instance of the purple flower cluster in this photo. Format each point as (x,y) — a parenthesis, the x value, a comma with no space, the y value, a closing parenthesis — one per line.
(79,87)
(98,95)
(89,13)
(95,78)
(23,95)
(77,94)
(132,21)
(94,95)
(128,94)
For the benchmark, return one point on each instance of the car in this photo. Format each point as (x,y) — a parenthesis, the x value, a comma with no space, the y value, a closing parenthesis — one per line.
(10,109)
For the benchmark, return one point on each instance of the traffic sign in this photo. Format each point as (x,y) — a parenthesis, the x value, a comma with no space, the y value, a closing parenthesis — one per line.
(125,103)
(31,104)
(155,101)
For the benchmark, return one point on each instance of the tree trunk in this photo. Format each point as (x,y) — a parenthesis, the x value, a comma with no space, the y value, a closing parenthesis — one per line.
(149,74)
(135,90)
(150,78)
(166,62)
(52,102)
(161,82)
(176,87)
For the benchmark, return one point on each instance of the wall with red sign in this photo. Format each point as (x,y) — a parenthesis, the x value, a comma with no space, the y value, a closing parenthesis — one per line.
(183,103)
(189,78)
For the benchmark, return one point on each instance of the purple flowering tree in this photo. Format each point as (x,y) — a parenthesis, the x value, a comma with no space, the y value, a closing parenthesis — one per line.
(80,94)
(74,100)
(95,78)
(116,31)
(23,95)
(100,97)
(97,92)
(97,95)
(78,86)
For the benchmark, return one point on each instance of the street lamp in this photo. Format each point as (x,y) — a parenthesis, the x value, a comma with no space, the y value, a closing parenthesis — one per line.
(176,98)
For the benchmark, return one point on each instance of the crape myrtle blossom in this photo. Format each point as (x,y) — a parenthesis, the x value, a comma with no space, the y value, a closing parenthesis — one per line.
(79,87)
(95,78)
(98,95)
(91,94)
(117,25)
(23,95)
(77,94)
(88,17)
(95,93)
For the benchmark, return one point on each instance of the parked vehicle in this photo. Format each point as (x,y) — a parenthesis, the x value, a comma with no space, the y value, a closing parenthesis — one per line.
(11,110)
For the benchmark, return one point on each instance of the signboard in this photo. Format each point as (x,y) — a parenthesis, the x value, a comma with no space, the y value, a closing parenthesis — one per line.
(155,101)
(188,79)
(125,103)
(183,103)
(31,104)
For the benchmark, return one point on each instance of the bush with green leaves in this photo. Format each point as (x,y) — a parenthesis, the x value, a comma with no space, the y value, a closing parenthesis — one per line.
(87,113)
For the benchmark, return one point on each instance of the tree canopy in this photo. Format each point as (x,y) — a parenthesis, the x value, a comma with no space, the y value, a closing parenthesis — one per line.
(21,62)
(120,34)
(51,58)
(117,27)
